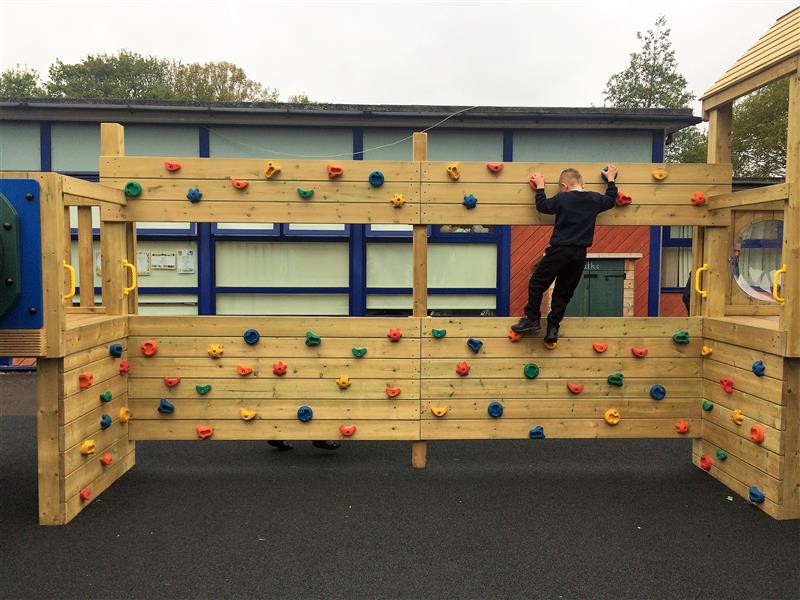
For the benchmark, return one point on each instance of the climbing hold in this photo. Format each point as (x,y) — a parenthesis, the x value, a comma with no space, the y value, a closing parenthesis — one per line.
(494,167)
(106,396)
(394,334)
(470,201)
(550,345)
(453,171)
(305,414)
(660,174)
(343,382)
(623,199)
(376,179)
(334,171)
(495,409)
(393,392)
(600,348)
(115,350)
(272,169)
(475,345)
(107,458)
(204,431)
(165,407)
(757,434)
(514,336)
(359,352)
(737,416)
(105,421)
(708,406)
(639,352)
(124,414)
(149,347)
(239,184)
(171,381)
(243,370)
(247,415)
(440,411)
(537,433)
(698,198)
(575,388)
(251,337)
(531,370)
(682,426)
(658,391)
(87,447)
(755,495)
(612,416)
(216,350)
(279,368)
(85,380)
(604,173)
(681,337)
(438,333)
(347,430)
(305,193)
(124,367)
(312,339)
(194,195)
(706,462)
(86,494)
(616,379)
(706,351)
(203,389)
(727,385)
(172,166)
(759,368)
(132,189)
(721,454)
(398,200)
(463,368)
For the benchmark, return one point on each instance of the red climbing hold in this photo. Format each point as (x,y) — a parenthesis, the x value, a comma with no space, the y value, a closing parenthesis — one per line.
(107,458)
(639,352)
(494,167)
(334,171)
(706,462)
(204,431)
(698,198)
(86,494)
(85,380)
(682,426)
(575,388)
(623,199)
(239,184)
(347,430)
(279,368)
(244,370)
(171,381)
(600,348)
(463,368)
(514,336)
(149,347)
(532,183)
(124,367)
(394,334)
(393,392)
(757,434)
(172,166)
(727,384)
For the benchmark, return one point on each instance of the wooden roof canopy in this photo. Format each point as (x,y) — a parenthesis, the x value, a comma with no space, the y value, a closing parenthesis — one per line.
(775,55)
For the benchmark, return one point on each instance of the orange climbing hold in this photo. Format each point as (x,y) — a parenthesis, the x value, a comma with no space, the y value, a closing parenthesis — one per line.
(172,166)
(660,174)
(85,380)
(639,352)
(334,171)
(124,414)
(494,167)
(575,388)
(86,494)
(204,431)
(107,458)
(149,347)
(247,415)
(600,348)
(347,430)
(698,198)
(239,184)
(682,426)
(394,334)
(706,462)
(244,370)
(514,336)
(393,392)
(463,368)
(124,367)
(279,368)
(757,434)
(171,381)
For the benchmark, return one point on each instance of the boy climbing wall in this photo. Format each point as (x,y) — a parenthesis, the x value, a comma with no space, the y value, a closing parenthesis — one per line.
(576,211)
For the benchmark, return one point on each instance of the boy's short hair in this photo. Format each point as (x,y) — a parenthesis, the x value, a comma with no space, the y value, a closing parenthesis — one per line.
(570,174)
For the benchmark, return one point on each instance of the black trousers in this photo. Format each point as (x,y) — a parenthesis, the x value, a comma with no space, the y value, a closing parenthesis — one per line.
(565,265)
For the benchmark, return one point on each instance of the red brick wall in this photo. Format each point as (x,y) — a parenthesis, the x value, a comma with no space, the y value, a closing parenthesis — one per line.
(672,305)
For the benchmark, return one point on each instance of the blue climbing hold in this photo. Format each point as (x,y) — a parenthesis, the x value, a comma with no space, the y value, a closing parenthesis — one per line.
(657,392)
(105,421)
(194,195)
(305,414)
(251,336)
(470,201)
(759,368)
(376,179)
(474,345)
(495,409)
(165,407)
(115,350)
(755,495)
(537,433)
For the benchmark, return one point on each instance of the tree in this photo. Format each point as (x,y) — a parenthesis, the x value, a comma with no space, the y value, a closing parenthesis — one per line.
(218,82)
(689,145)
(652,79)
(20,82)
(301,98)
(760,123)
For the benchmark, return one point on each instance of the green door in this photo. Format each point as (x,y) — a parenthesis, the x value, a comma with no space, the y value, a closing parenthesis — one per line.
(599,293)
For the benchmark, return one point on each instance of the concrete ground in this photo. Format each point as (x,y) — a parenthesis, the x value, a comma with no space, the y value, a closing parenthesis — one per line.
(579,519)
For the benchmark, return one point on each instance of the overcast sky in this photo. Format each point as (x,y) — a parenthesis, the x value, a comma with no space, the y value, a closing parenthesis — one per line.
(463,53)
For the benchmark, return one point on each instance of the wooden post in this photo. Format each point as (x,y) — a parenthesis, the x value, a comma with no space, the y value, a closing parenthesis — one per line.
(113,245)
(130,247)
(698,256)
(112,139)
(49,393)
(86,255)
(790,314)
(54,284)
(419,450)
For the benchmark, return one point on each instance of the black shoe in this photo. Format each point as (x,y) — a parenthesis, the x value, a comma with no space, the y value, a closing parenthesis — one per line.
(326,445)
(552,334)
(280,444)
(525,325)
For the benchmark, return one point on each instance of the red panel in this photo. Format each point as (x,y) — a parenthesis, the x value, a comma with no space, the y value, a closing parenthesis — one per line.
(672,305)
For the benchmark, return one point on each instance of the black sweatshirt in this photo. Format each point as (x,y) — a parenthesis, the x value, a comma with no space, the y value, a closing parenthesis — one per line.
(576,213)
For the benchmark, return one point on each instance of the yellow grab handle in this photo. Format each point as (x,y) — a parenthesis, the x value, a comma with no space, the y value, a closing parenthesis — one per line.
(775,278)
(703,293)
(69,295)
(132,268)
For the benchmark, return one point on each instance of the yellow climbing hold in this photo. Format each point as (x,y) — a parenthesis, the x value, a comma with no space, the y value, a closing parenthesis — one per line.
(706,350)
(272,169)
(612,416)
(247,415)
(124,414)
(216,350)
(398,200)
(737,416)
(453,171)
(660,174)
(343,382)
(87,447)
(439,411)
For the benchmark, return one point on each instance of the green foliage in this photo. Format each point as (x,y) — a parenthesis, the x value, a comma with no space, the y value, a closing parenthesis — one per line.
(218,82)
(301,98)
(20,82)
(652,79)
(760,122)
(688,145)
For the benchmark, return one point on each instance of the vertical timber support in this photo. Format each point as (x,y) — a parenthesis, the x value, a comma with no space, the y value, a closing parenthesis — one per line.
(790,315)
(113,236)
(419,450)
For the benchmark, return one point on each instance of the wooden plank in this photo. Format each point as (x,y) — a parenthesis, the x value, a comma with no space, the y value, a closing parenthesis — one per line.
(599,329)
(790,317)
(735,445)
(765,339)
(500,368)
(112,248)
(75,505)
(22,343)
(316,429)
(72,459)
(93,468)
(86,400)
(86,255)
(105,330)
(93,191)
(49,388)
(67,238)
(112,142)
(566,408)
(773,439)
(791,466)
(104,369)
(752,83)
(53,256)
(759,409)
(88,424)
(766,388)
(751,197)
(737,355)
(751,309)
(742,471)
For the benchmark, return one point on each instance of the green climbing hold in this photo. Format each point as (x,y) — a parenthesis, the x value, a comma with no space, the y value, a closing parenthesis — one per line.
(105,396)
(359,352)
(681,337)
(132,189)
(439,333)
(312,339)
(721,454)
(531,370)
(303,193)
(707,406)
(203,389)
(615,379)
